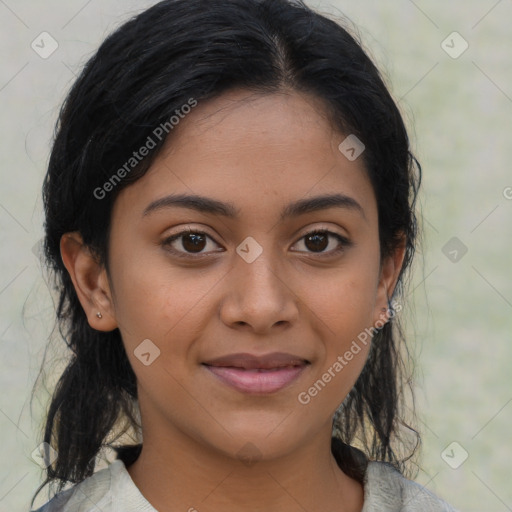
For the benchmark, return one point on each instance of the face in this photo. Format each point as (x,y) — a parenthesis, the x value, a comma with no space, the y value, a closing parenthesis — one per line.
(240,272)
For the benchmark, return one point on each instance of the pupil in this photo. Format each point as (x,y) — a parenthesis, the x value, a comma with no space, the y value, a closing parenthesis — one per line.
(192,242)
(317,242)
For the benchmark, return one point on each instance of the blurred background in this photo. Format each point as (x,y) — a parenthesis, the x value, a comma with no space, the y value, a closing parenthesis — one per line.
(448,65)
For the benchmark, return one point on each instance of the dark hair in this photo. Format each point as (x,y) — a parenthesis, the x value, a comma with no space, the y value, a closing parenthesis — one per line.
(139,78)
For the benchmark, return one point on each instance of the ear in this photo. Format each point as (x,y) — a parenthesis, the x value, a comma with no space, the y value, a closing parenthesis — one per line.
(390,270)
(90,282)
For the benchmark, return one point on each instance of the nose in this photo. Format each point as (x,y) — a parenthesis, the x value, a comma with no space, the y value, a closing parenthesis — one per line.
(259,295)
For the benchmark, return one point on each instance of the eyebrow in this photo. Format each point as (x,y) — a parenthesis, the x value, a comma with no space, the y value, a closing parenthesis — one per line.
(215,207)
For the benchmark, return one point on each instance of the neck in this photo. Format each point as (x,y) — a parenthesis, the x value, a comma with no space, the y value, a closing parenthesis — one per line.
(178,473)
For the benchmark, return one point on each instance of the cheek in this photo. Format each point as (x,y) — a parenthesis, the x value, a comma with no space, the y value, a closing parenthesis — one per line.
(159,312)
(163,304)
(344,350)
(344,300)
(341,309)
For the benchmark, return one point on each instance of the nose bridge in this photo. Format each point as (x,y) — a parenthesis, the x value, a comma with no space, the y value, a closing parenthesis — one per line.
(257,268)
(258,294)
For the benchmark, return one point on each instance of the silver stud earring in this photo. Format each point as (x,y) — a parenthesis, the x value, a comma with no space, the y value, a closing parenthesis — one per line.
(99,315)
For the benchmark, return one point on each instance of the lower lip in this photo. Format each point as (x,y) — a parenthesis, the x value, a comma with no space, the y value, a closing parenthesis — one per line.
(257,381)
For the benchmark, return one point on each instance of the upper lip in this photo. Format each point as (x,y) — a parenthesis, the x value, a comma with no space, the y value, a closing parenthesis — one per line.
(250,361)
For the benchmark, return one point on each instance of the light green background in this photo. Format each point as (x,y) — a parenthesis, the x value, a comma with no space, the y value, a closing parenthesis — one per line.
(459,113)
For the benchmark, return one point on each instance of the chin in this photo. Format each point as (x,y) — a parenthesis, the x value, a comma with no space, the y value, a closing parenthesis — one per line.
(253,444)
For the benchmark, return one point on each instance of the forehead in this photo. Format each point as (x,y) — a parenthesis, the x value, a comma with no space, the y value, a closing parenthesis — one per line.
(254,151)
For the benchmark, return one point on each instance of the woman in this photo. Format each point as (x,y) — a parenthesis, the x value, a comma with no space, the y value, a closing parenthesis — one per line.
(230,218)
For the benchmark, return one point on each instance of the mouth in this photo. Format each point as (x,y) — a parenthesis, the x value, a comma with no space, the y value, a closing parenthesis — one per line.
(257,374)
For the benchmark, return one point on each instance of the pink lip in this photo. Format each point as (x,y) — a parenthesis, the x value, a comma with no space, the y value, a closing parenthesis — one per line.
(250,373)
(257,380)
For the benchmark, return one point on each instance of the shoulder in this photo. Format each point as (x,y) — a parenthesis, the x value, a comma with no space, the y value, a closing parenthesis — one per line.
(91,494)
(109,489)
(387,490)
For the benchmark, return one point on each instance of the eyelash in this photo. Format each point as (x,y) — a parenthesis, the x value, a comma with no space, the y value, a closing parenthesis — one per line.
(345,243)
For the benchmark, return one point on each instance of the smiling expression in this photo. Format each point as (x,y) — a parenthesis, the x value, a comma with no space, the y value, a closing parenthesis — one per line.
(250,234)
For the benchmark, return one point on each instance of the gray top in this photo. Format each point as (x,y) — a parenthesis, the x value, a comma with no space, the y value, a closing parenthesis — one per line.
(112,490)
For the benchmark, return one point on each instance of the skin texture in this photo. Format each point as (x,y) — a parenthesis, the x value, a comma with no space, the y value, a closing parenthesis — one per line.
(259,153)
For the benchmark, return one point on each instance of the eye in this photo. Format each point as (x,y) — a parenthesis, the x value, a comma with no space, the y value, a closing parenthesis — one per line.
(318,241)
(191,243)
